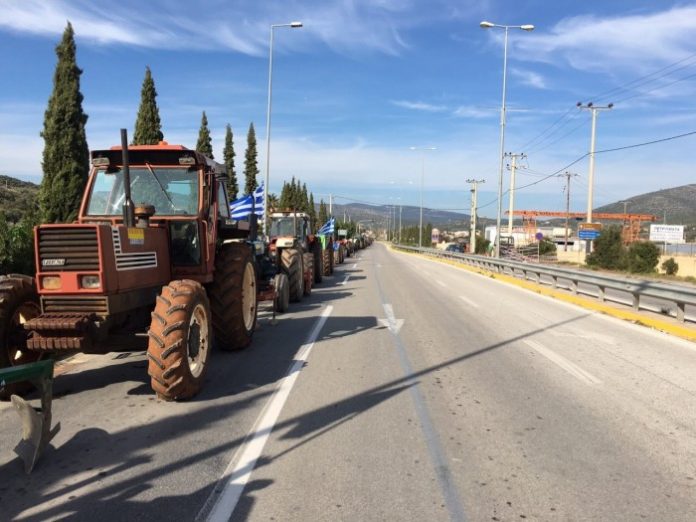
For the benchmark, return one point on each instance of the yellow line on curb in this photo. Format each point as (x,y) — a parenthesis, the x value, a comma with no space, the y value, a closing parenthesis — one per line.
(677,330)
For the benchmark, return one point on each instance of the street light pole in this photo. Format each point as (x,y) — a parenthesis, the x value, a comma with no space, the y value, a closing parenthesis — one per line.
(474,210)
(420,221)
(594,109)
(489,25)
(268,122)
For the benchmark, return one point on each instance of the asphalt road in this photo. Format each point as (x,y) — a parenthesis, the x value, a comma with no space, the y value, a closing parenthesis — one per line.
(411,390)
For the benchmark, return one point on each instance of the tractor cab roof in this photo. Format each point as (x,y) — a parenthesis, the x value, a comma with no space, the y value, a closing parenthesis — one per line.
(161,154)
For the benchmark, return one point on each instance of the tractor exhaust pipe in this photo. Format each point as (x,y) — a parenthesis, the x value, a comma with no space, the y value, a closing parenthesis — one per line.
(128,209)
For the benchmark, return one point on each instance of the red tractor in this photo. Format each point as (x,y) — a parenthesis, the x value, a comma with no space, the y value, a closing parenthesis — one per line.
(172,271)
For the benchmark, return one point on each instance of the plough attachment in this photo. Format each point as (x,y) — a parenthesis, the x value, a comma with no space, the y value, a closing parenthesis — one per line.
(36,424)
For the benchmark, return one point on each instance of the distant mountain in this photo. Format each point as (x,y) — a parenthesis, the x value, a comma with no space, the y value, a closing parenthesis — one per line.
(17,197)
(679,203)
(409,215)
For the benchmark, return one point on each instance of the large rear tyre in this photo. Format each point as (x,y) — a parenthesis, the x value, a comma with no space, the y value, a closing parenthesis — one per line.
(233,297)
(308,266)
(327,254)
(291,262)
(282,286)
(19,302)
(318,262)
(179,340)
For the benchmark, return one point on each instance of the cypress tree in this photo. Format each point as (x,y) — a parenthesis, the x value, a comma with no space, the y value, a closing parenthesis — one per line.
(323,214)
(228,155)
(305,199)
(312,211)
(205,143)
(251,167)
(65,161)
(148,127)
(285,196)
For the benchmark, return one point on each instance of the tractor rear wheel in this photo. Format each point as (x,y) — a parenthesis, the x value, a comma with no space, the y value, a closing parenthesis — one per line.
(318,262)
(327,254)
(282,286)
(233,297)
(292,266)
(19,302)
(179,340)
(308,266)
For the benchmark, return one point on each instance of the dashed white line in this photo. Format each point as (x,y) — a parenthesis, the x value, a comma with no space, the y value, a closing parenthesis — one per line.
(239,470)
(345,280)
(469,301)
(440,283)
(564,363)
(355,265)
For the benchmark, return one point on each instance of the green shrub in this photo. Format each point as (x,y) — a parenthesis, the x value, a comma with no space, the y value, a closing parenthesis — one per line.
(609,251)
(482,245)
(546,246)
(643,257)
(17,246)
(671,267)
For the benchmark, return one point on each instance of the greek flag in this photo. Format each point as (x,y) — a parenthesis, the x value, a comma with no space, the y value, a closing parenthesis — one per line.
(241,208)
(328,227)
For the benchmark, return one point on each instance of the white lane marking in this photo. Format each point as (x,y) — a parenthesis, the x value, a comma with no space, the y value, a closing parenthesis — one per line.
(391,322)
(564,363)
(378,265)
(239,470)
(355,265)
(469,301)
(345,280)
(441,283)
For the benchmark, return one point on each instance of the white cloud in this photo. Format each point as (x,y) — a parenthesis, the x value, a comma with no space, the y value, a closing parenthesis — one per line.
(529,78)
(470,111)
(608,44)
(419,106)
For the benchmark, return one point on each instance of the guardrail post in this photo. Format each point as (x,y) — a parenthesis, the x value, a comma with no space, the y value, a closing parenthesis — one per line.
(680,311)
(574,287)
(601,294)
(636,301)
(554,282)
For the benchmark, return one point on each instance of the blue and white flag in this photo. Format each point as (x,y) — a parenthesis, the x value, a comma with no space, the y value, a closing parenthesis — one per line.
(241,208)
(328,227)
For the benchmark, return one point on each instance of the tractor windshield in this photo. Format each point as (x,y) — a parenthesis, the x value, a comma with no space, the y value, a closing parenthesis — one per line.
(284,226)
(172,191)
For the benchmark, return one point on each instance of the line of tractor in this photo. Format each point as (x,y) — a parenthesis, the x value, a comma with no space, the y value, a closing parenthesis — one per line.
(155,261)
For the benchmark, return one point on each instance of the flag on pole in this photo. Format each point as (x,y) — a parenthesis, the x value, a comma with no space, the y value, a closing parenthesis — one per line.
(241,208)
(328,227)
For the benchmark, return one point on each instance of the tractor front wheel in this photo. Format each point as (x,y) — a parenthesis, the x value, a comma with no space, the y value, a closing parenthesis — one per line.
(282,286)
(19,302)
(179,340)
(308,267)
(318,262)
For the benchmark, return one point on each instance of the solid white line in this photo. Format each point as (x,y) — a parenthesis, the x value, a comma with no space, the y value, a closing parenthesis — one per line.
(564,363)
(440,283)
(239,470)
(345,280)
(468,301)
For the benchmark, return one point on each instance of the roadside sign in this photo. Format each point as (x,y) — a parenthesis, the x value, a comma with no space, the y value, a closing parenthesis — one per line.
(590,234)
(539,236)
(342,231)
(667,233)
(590,226)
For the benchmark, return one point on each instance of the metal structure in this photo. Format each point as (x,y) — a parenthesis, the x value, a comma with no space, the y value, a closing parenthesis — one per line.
(631,222)
(583,282)
(420,221)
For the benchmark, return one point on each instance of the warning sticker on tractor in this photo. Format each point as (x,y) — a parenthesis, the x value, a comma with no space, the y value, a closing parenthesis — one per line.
(136,236)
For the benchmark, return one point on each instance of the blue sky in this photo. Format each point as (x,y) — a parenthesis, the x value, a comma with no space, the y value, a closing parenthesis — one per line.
(363,81)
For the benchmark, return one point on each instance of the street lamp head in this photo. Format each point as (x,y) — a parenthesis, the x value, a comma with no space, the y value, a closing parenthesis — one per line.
(590,104)
(486,25)
(579,104)
(528,27)
(295,24)
(610,105)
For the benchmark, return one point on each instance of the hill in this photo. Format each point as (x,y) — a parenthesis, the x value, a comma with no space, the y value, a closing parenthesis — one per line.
(677,204)
(17,197)
(409,215)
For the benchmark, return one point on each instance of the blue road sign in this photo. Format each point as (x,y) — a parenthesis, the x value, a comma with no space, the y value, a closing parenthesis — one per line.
(588,234)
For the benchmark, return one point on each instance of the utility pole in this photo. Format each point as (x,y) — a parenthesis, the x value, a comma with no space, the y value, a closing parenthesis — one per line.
(400,208)
(330,205)
(513,167)
(594,109)
(567,175)
(474,210)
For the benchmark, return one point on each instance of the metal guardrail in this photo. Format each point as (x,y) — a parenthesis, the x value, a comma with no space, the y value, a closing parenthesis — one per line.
(679,295)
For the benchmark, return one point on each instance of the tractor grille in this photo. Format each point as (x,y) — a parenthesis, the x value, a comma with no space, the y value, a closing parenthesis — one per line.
(97,305)
(68,249)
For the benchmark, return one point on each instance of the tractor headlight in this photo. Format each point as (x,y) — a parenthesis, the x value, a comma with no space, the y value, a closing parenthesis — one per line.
(51,283)
(89,281)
